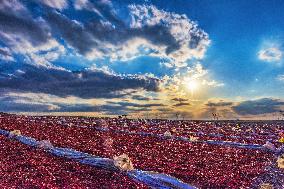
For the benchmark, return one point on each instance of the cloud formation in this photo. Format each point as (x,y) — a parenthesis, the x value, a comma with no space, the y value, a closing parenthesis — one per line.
(6,54)
(85,84)
(35,36)
(27,102)
(151,32)
(272,54)
(219,104)
(179,99)
(140,97)
(280,77)
(15,19)
(182,104)
(27,36)
(41,102)
(57,4)
(131,104)
(257,107)
(185,39)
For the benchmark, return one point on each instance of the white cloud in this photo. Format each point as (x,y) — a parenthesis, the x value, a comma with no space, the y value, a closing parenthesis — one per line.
(57,4)
(50,102)
(271,54)
(87,5)
(134,48)
(18,71)
(6,54)
(41,54)
(12,5)
(80,4)
(212,83)
(104,69)
(280,77)
(30,99)
(184,39)
(28,36)
(126,51)
(193,41)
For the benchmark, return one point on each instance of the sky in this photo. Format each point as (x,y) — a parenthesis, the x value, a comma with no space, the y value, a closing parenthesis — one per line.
(144,58)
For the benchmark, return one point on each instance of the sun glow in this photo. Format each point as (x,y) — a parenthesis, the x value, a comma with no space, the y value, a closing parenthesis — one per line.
(192,85)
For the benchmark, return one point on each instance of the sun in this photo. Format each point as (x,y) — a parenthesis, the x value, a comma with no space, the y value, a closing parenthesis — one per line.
(192,85)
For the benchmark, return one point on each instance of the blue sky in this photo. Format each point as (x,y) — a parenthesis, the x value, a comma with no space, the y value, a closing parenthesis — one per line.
(156,57)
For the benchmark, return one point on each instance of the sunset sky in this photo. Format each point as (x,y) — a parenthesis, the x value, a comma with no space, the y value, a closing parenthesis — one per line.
(150,58)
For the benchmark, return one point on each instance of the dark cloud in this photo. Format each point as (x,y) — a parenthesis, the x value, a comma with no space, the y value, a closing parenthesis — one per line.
(22,107)
(130,104)
(260,106)
(107,28)
(84,84)
(165,110)
(219,104)
(71,31)
(103,34)
(13,104)
(21,23)
(195,40)
(180,99)
(108,109)
(158,35)
(139,97)
(24,104)
(106,10)
(92,34)
(4,52)
(32,102)
(181,104)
